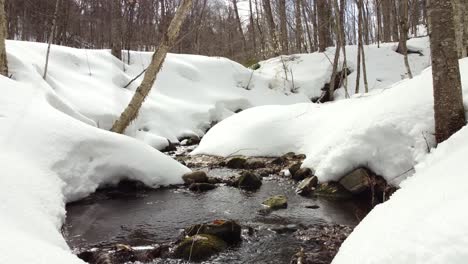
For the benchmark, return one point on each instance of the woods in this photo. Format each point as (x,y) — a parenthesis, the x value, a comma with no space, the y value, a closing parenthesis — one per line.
(243,30)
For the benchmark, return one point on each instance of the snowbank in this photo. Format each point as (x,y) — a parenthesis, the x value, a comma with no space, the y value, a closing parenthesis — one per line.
(424,221)
(51,155)
(387,130)
(192,92)
(308,73)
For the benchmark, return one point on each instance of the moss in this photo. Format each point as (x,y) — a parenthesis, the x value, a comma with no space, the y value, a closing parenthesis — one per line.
(277,202)
(332,190)
(199,247)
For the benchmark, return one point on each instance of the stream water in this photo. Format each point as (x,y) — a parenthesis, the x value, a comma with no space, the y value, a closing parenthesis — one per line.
(147,217)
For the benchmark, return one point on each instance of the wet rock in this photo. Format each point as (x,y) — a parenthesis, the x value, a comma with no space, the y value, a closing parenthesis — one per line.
(248,181)
(227,230)
(285,229)
(195,177)
(201,187)
(189,140)
(214,180)
(294,168)
(300,156)
(254,164)
(199,247)
(279,161)
(170,147)
(332,190)
(277,202)
(312,206)
(236,163)
(357,180)
(265,211)
(307,186)
(302,173)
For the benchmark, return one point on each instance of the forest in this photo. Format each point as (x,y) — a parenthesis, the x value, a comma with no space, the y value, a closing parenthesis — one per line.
(233,131)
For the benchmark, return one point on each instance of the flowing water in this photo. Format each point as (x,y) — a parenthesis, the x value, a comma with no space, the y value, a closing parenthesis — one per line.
(147,217)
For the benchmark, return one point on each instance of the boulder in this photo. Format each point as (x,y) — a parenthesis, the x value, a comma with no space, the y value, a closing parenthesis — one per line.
(307,186)
(356,181)
(277,202)
(294,168)
(302,173)
(248,181)
(201,187)
(227,230)
(254,164)
(332,190)
(195,177)
(199,247)
(236,163)
(279,161)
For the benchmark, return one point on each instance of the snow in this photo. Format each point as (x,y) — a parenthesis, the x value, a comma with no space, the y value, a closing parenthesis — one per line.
(51,155)
(56,147)
(424,221)
(308,73)
(387,130)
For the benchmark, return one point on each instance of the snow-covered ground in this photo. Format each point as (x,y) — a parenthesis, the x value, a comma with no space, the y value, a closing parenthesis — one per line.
(308,73)
(387,130)
(424,221)
(51,155)
(53,151)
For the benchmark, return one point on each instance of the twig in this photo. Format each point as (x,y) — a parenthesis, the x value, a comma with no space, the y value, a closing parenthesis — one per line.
(240,151)
(136,77)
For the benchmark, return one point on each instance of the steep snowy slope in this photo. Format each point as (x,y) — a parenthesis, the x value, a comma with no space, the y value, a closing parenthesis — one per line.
(387,130)
(49,157)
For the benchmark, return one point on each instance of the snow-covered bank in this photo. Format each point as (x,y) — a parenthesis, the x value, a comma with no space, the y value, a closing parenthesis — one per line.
(49,158)
(192,92)
(424,221)
(308,73)
(388,131)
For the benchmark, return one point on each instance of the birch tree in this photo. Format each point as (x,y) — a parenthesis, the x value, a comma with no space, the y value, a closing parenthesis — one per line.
(131,112)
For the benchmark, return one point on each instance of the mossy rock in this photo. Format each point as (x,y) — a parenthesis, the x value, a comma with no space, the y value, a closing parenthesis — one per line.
(277,202)
(236,163)
(227,230)
(199,247)
(195,177)
(248,181)
(332,190)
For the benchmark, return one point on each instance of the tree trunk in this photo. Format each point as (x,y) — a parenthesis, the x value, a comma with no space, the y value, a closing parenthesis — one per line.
(361,46)
(386,11)
(404,35)
(297,10)
(283,26)
(271,26)
(459,16)
(239,26)
(116,29)
(131,112)
(323,24)
(337,51)
(3,33)
(252,30)
(449,113)
(51,37)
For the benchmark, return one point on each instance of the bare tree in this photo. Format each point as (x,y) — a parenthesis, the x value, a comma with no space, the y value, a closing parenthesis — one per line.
(116,28)
(449,112)
(51,37)
(283,26)
(404,35)
(3,32)
(131,112)
(271,26)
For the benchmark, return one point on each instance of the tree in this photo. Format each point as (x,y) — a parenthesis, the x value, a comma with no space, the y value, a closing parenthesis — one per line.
(271,26)
(297,12)
(3,32)
(116,29)
(51,37)
(404,35)
(283,26)
(323,24)
(449,113)
(131,112)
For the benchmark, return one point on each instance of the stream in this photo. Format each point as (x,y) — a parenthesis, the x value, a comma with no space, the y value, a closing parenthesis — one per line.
(144,217)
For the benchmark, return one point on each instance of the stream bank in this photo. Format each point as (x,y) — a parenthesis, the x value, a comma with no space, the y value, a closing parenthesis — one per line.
(131,223)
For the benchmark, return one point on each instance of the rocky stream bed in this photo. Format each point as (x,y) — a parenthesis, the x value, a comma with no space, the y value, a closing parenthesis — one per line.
(129,223)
